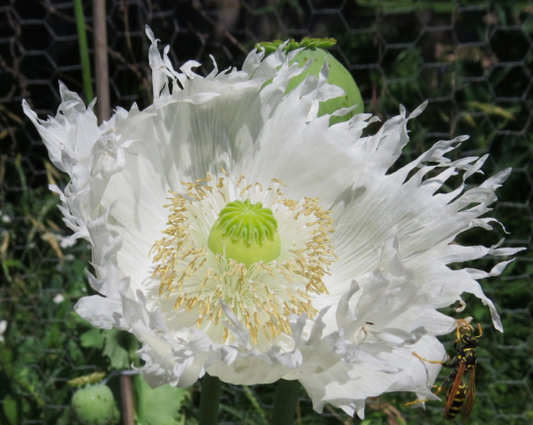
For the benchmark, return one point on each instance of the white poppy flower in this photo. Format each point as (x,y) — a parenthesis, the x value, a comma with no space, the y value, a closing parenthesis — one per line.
(337,272)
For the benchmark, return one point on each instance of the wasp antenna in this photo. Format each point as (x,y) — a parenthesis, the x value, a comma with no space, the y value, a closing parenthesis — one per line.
(426,360)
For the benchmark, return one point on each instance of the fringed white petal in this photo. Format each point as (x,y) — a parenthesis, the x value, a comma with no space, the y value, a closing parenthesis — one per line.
(348,385)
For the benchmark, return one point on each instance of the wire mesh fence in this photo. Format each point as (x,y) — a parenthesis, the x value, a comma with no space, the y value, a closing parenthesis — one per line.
(471,59)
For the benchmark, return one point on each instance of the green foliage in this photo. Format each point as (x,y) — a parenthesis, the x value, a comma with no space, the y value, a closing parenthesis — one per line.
(120,347)
(159,406)
(11,410)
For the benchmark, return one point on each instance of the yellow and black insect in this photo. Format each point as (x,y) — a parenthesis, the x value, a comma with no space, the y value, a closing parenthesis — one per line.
(459,396)
(456,402)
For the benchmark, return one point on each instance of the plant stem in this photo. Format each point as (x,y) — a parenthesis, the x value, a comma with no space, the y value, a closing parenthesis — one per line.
(103,108)
(126,394)
(209,397)
(285,402)
(84,51)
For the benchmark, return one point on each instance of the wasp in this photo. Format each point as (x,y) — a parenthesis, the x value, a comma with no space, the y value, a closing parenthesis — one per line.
(459,396)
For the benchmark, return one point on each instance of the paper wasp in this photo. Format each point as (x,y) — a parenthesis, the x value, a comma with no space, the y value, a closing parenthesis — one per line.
(459,396)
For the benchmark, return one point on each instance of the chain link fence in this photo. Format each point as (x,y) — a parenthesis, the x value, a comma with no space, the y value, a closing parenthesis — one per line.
(471,59)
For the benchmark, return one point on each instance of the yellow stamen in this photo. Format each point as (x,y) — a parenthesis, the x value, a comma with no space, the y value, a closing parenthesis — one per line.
(197,279)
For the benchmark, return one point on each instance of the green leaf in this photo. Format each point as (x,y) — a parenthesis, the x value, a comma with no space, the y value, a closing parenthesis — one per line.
(118,347)
(93,338)
(158,406)
(11,409)
(6,360)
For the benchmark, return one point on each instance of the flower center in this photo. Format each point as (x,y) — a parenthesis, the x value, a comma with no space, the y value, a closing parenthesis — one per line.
(260,253)
(246,232)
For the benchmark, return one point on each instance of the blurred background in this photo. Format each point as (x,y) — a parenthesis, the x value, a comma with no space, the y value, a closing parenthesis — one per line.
(471,59)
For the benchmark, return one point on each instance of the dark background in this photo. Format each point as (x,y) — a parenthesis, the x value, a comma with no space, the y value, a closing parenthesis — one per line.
(471,59)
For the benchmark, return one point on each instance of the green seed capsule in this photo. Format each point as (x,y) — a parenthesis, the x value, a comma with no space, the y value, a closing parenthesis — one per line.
(338,75)
(246,232)
(313,49)
(94,405)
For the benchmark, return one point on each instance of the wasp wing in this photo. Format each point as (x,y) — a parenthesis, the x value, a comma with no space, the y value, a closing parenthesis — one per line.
(470,392)
(453,390)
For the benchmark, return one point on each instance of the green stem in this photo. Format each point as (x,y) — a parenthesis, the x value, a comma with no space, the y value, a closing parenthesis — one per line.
(84,51)
(211,389)
(285,402)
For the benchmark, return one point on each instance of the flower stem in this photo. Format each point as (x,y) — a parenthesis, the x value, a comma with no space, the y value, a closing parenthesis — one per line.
(84,51)
(126,395)
(285,403)
(211,389)
(103,110)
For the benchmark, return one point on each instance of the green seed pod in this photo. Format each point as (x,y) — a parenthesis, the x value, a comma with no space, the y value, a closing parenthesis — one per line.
(313,49)
(338,75)
(246,232)
(94,405)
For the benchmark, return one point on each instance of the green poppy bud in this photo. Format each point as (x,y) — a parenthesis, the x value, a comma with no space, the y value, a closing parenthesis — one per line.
(94,405)
(338,75)
(313,49)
